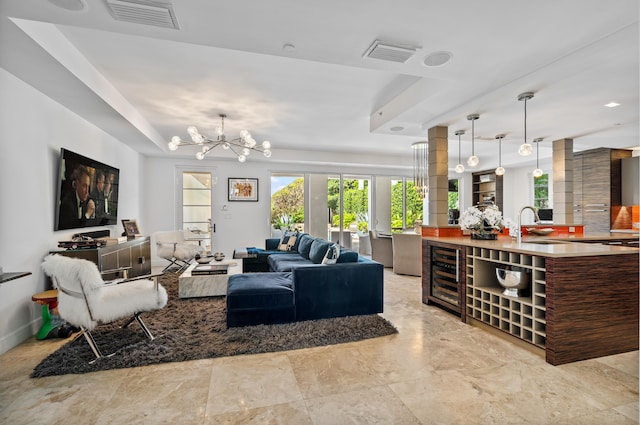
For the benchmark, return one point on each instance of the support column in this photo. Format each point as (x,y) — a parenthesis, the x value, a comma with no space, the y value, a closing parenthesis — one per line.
(563,181)
(438,176)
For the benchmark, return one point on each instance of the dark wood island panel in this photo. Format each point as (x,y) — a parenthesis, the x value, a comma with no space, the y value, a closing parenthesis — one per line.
(592,306)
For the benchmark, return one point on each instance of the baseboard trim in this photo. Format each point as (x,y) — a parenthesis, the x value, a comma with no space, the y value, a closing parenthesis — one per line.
(20,335)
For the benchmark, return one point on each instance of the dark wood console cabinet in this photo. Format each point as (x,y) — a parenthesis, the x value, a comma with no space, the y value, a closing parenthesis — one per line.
(135,253)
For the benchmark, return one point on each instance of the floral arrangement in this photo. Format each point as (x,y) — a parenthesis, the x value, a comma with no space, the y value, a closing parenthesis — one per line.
(487,220)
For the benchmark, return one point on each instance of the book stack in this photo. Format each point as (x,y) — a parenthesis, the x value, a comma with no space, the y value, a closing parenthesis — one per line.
(209,269)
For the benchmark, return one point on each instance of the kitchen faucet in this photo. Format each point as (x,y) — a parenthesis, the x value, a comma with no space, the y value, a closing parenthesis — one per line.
(535,217)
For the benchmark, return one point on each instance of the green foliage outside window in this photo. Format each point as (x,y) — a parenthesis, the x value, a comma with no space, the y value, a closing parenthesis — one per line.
(541,191)
(356,202)
(413,207)
(287,205)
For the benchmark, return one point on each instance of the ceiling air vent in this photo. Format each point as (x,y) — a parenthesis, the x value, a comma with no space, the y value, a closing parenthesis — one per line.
(144,12)
(389,51)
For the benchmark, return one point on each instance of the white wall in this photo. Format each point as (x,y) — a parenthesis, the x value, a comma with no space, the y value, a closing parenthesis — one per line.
(33,128)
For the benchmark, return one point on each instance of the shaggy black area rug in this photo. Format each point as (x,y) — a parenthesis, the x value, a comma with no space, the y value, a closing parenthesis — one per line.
(190,329)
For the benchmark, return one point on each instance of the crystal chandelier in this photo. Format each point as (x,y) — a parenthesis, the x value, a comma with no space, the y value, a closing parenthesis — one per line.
(241,146)
(421,168)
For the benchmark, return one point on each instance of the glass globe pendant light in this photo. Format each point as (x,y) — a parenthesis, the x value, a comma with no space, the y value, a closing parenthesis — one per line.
(525,149)
(241,146)
(459,167)
(500,170)
(537,173)
(473,159)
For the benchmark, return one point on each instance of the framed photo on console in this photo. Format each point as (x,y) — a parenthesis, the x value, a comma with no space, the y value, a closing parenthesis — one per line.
(131,228)
(243,189)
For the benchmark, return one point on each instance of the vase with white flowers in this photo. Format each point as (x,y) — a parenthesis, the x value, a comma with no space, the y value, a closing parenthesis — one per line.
(484,222)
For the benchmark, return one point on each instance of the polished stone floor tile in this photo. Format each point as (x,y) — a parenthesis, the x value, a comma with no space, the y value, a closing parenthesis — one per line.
(245,382)
(277,414)
(436,370)
(376,405)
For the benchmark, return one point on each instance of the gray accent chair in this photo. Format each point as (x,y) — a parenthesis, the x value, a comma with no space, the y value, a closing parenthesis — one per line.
(381,248)
(407,254)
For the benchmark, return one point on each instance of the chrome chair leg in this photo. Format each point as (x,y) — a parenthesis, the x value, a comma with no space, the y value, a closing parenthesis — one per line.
(92,342)
(146,330)
(137,318)
(94,347)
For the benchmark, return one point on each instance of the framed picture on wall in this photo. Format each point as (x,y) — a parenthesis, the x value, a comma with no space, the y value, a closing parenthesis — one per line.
(131,228)
(243,189)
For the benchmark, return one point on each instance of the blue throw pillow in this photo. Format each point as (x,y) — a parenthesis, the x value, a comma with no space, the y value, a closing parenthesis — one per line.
(319,248)
(297,244)
(347,256)
(304,246)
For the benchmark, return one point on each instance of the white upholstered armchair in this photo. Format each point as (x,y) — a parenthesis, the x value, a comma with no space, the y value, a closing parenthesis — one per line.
(85,300)
(173,247)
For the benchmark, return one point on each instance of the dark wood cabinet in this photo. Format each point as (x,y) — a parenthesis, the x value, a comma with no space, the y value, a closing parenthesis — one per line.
(487,188)
(135,254)
(597,187)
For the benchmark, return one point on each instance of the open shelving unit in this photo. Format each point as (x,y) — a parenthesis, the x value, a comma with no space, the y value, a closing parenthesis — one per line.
(523,317)
(487,188)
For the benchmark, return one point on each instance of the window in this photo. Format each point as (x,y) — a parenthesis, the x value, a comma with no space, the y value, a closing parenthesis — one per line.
(287,202)
(541,191)
(406,205)
(348,204)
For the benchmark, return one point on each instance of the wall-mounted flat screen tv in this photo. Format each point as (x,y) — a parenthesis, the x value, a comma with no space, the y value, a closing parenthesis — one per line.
(87,192)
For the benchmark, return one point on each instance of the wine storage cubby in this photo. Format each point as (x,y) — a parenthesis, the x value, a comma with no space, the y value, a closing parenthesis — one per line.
(524,316)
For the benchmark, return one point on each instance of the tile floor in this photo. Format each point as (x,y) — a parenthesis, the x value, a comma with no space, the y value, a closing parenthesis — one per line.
(437,370)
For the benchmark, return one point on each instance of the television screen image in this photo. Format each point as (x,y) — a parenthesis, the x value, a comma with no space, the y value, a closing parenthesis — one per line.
(87,192)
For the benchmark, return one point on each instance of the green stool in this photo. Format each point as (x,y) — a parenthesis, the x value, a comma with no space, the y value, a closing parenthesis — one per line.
(50,320)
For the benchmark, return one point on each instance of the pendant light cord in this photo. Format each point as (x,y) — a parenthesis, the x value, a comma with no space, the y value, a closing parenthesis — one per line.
(473,142)
(525,120)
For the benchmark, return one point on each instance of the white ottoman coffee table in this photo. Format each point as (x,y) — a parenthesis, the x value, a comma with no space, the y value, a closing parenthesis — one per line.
(207,285)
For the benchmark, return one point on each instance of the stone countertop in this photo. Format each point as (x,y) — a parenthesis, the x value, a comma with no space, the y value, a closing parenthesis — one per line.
(545,246)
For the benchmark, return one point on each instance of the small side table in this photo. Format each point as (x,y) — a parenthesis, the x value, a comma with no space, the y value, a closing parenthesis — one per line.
(50,320)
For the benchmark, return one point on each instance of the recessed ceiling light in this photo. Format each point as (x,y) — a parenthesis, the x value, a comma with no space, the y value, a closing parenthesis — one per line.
(612,105)
(437,58)
(72,5)
(397,128)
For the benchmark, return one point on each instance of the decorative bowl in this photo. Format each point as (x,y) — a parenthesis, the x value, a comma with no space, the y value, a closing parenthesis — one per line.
(204,260)
(218,256)
(514,282)
(538,231)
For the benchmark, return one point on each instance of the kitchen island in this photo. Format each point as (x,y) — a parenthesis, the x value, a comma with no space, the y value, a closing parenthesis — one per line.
(582,300)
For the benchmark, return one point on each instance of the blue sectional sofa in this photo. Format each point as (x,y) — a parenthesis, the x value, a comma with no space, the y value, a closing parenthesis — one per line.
(298,286)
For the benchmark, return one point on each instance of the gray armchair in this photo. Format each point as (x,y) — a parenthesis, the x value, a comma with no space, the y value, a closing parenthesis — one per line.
(407,254)
(381,248)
